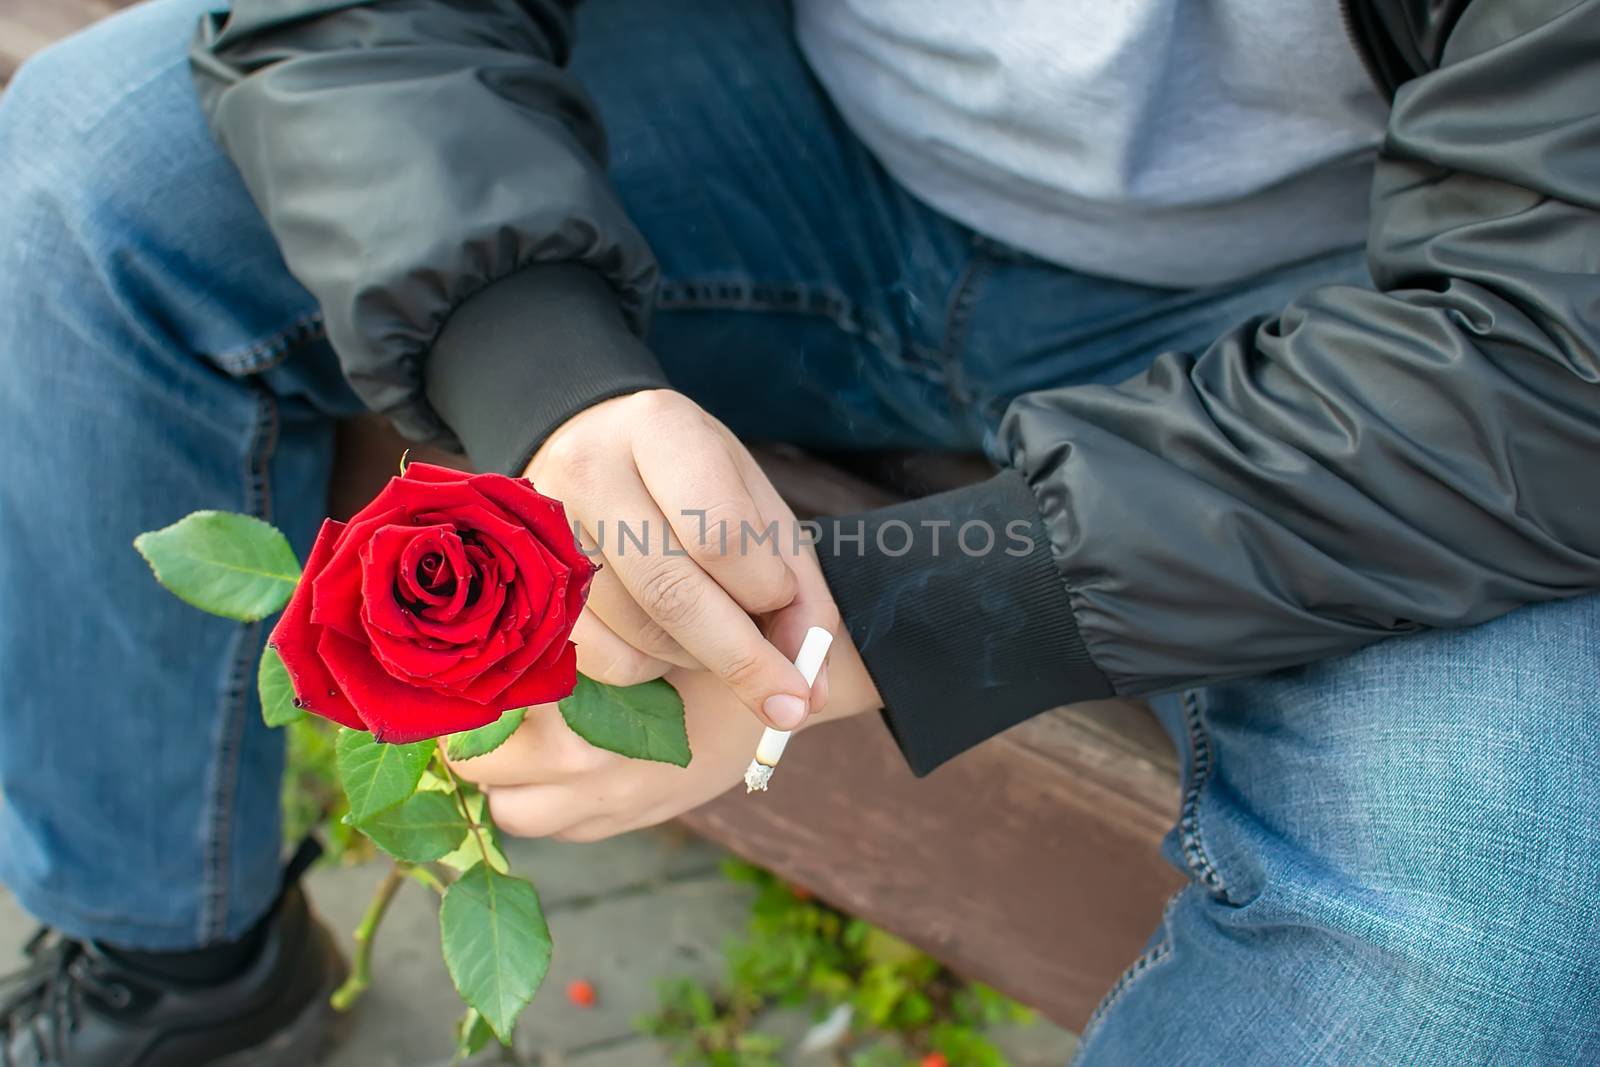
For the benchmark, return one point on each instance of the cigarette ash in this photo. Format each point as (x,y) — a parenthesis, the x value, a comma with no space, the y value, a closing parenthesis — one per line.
(756,776)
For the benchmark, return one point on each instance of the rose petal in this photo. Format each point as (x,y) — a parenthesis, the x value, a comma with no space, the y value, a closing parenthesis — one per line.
(295,640)
(336,592)
(431,590)
(395,711)
(432,472)
(381,559)
(548,521)
(546,683)
(402,501)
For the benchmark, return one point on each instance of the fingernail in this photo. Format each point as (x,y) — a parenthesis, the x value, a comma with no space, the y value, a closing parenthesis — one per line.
(784,710)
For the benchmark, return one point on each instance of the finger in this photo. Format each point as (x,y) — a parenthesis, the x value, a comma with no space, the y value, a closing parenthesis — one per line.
(543,750)
(689,471)
(605,657)
(611,603)
(813,603)
(537,810)
(685,602)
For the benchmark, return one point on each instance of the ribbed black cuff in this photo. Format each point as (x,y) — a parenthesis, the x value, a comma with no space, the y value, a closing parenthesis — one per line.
(528,352)
(960,614)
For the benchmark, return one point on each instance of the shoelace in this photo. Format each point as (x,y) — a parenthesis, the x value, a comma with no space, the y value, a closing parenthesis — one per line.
(43,1000)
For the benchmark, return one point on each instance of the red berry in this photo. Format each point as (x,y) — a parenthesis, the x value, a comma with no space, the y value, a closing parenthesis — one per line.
(935,1059)
(799,892)
(581,992)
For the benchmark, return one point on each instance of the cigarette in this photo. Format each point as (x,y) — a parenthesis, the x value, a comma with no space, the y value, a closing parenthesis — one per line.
(813,650)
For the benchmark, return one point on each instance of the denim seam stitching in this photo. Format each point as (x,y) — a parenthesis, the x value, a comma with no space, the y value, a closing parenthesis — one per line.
(823,302)
(958,320)
(263,355)
(229,743)
(1147,961)
(1203,761)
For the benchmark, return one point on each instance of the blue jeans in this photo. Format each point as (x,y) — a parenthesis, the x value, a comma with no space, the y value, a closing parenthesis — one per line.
(1393,856)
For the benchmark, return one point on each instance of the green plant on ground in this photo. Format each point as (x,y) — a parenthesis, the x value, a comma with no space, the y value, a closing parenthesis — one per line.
(312,799)
(903,1007)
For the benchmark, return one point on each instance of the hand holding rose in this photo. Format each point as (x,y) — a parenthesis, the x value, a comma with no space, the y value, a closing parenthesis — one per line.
(657,461)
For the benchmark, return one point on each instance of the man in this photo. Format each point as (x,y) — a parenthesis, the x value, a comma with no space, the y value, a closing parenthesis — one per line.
(1283,329)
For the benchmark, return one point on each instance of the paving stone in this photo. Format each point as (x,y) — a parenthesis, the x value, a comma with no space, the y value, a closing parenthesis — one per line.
(625,946)
(617,917)
(406,1015)
(1043,1044)
(625,914)
(636,1052)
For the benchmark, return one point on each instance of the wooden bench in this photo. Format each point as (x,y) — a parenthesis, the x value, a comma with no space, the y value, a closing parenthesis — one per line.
(1030,862)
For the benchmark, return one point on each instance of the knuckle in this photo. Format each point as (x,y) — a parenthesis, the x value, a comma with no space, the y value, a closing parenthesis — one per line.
(624,669)
(668,595)
(615,664)
(655,408)
(564,446)
(770,590)
(652,640)
(717,532)
(741,670)
(569,459)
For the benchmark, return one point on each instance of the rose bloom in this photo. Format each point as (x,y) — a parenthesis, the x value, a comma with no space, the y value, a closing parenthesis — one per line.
(446,601)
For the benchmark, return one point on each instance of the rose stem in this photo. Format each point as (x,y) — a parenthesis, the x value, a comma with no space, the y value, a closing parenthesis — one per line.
(813,650)
(423,876)
(466,810)
(361,968)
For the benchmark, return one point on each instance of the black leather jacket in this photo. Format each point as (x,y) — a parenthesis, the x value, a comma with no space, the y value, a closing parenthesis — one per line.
(1364,464)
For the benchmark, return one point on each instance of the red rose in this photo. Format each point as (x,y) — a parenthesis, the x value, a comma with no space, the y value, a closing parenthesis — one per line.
(443,603)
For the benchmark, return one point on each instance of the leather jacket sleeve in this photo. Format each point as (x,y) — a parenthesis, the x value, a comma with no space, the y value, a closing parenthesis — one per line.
(1365,464)
(436,179)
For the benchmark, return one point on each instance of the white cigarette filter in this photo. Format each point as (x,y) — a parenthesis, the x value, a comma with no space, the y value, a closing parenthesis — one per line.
(813,650)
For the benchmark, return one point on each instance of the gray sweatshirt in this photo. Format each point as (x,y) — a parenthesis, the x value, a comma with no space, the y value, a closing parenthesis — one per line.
(1169,142)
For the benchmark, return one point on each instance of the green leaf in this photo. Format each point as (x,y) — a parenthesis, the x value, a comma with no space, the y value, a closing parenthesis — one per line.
(485,739)
(425,827)
(641,721)
(277,692)
(376,776)
(228,564)
(471,850)
(496,944)
(472,1034)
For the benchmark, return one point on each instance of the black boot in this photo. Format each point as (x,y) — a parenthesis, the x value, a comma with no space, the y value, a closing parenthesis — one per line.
(78,1005)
